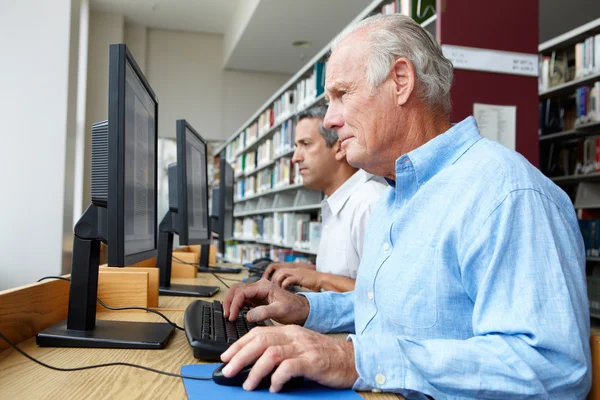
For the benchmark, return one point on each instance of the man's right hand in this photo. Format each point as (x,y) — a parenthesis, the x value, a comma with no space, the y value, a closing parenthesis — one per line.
(275,266)
(268,300)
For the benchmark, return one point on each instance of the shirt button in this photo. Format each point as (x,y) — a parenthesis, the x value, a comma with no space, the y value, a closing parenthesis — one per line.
(380,379)
(370,295)
(386,246)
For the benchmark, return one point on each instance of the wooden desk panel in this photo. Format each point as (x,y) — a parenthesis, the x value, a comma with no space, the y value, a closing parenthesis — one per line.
(22,379)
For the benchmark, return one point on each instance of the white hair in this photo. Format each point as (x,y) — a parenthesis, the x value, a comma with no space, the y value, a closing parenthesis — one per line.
(393,36)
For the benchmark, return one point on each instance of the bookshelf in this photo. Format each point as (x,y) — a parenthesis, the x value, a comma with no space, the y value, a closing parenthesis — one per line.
(569,115)
(260,151)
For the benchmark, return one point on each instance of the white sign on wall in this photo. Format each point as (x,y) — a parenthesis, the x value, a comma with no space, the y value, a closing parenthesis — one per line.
(504,62)
(497,123)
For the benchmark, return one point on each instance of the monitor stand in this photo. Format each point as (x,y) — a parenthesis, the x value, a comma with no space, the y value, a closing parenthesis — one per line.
(203,266)
(81,329)
(163,262)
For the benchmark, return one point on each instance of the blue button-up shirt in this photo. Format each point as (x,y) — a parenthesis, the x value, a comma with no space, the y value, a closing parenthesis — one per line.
(472,282)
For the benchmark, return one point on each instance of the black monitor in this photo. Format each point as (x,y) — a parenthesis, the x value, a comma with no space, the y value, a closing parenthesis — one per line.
(122,213)
(225,203)
(188,209)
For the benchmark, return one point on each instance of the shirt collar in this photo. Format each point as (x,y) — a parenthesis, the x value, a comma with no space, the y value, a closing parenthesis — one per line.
(443,150)
(338,198)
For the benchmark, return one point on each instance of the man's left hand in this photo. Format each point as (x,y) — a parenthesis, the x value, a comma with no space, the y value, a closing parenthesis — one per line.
(294,351)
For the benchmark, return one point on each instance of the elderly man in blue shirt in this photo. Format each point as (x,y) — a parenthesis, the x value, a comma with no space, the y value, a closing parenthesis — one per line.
(472,282)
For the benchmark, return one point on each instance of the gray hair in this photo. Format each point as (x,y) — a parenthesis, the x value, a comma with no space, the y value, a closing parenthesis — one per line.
(318,112)
(393,36)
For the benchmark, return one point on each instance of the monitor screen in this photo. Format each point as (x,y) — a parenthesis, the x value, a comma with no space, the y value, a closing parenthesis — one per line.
(197,190)
(227,181)
(139,172)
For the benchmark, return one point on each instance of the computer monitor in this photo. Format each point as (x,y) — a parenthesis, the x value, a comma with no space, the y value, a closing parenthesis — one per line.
(122,213)
(214,211)
(188,209)
(225,203)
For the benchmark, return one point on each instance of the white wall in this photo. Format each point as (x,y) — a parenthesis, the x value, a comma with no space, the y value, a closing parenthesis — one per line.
(135,38)
(104,29)
(186,73)
(37,124)
(184,69)
(243,93)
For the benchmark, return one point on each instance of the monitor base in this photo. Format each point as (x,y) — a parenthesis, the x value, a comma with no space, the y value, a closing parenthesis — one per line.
(108,335)
(221,270)
(188,290)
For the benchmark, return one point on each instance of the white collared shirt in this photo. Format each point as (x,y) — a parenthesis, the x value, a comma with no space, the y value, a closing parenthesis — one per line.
(345,215)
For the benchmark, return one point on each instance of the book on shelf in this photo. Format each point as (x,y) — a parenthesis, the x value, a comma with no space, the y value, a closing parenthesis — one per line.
(558,114)
(308,235)
(575,62)
(587,104)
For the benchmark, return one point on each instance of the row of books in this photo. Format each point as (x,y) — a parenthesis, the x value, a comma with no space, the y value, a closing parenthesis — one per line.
(242,253)
(419,10)
(284,229)
(290,102)
(590,230)
(574,63)
(587,104)
(284,173)
(266,152)
(558,114)
(587,57)
(569,158)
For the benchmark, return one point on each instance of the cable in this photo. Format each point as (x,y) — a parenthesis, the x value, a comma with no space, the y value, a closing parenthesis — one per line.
(184,262)
(121,308)
(113,364)
(220,280)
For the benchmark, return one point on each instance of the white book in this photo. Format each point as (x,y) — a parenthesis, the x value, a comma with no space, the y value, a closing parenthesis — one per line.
(405,8)
(597,53)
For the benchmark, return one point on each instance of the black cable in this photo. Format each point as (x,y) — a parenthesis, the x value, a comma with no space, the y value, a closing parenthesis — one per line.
(184,262)
(121,308)
(113,364)
(221,280)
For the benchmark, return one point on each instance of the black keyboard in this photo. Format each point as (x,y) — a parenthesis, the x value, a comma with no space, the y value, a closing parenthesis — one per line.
(209,333)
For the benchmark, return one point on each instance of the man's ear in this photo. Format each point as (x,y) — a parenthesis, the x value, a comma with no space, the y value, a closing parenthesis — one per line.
(339,153)
(404,77)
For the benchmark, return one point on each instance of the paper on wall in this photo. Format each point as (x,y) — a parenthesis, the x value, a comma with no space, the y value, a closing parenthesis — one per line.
(497,123)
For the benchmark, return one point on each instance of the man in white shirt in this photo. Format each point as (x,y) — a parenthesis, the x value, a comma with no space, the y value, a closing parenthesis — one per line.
(350,196)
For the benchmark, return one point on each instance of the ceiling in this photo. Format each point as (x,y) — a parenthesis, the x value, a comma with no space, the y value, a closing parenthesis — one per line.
(208,16)
(265,43)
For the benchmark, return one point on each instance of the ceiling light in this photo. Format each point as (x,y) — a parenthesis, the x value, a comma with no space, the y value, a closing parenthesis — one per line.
(301,43)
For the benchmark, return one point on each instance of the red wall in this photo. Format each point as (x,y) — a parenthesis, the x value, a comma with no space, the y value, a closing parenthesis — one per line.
(510,25)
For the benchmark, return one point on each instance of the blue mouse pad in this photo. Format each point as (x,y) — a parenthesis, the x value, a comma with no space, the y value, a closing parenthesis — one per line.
(210,390)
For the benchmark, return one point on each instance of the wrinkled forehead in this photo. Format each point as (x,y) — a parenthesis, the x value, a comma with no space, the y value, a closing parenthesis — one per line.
(346,65)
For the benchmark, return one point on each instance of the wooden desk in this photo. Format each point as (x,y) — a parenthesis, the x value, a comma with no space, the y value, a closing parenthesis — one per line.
(22,379)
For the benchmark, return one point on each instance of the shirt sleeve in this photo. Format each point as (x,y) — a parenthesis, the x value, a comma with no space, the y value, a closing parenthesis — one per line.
(330,312)
(524,269)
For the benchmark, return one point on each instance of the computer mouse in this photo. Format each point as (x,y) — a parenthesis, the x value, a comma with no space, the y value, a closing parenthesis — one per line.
(240,378)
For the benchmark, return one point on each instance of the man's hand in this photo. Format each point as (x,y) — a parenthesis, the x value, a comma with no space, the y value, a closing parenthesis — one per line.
(269,302)
(294,351)
(275,266)
(307,278)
